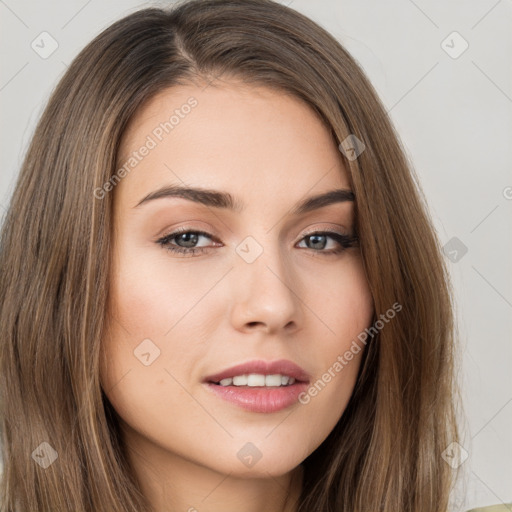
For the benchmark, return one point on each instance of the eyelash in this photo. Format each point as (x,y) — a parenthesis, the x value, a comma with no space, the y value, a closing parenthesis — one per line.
(344,241)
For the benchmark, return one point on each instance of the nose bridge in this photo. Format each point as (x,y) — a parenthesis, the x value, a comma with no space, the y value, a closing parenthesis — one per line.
(263,260)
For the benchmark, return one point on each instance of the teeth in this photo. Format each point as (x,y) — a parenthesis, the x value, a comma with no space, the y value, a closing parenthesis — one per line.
(257,379)
(240,380)
(275,380)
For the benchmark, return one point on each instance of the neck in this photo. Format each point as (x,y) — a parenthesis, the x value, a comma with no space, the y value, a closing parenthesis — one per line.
(172,483)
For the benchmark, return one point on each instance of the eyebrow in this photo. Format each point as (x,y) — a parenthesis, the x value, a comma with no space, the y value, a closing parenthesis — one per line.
(219,199)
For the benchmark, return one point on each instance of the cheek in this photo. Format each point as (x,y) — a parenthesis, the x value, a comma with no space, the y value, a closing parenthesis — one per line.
(147,296)
(347,312)
(143,310)
(342,300)
(144,370)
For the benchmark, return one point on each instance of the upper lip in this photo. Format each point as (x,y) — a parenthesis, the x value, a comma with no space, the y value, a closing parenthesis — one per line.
(283,367)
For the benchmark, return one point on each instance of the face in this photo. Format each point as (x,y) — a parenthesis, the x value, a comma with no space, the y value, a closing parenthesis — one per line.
(199,285)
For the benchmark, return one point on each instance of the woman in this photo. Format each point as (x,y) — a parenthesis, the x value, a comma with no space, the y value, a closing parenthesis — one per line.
(220,285)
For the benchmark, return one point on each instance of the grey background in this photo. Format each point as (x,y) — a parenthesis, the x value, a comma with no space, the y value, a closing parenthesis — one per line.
(454,115)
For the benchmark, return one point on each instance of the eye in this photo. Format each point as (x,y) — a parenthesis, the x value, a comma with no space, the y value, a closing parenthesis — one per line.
(187,240)
(184,241)
(318,241)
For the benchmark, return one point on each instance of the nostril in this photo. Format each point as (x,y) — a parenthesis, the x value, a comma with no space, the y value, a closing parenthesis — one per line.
(254,324)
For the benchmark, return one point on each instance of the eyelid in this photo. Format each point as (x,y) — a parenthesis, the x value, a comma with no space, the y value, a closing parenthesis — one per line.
(326,227)
(184,228)
(317,229)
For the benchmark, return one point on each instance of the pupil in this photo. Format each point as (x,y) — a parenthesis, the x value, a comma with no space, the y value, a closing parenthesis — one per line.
(313,237)
(184,236)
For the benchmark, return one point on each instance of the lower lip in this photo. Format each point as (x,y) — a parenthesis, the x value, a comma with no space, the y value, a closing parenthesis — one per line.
(260,399)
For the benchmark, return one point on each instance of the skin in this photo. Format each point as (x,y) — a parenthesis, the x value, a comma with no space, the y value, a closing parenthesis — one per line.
(209,312)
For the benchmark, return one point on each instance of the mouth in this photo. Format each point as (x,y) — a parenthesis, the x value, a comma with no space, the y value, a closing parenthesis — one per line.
(259,380)
(260,373)
(260,386)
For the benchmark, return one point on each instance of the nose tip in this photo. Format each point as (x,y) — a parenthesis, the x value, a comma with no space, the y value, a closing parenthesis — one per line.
(264,300)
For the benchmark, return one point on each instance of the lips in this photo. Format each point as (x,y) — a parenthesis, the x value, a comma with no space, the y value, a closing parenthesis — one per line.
(282,366)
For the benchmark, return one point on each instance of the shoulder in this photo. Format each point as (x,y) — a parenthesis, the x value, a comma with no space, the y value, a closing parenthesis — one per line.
(505,507)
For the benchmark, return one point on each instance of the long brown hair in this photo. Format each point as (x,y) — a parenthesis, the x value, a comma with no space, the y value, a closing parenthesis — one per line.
(55,247)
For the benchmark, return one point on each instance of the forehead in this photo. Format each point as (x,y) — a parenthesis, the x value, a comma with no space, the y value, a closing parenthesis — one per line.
(232,136)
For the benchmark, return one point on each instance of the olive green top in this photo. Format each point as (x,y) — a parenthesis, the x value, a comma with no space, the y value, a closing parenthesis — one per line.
(506,507)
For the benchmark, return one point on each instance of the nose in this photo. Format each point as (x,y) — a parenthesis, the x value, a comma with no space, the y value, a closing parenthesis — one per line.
(265,296)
